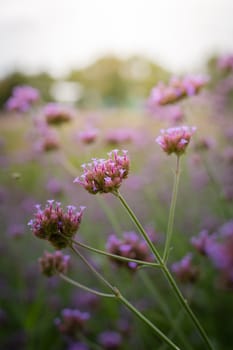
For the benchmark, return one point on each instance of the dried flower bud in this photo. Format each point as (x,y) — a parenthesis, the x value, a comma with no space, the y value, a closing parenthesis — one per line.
(52,263)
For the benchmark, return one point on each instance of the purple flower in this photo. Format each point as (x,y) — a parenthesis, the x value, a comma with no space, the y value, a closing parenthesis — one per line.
(105,175)
(88,136)
(175,140)
(54,224)
(110,340)
(52,263)
(22,98)
(176,89)
(57,114)
(72,321)
(184,270)
(201,241)
(130,246)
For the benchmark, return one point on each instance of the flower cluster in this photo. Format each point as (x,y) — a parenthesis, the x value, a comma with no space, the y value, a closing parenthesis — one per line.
(54,224)
(177,89)
(130,246)
(110,340)
(184,270)
(49,141)
(22,98)
(52,263)
(88,136)
(57,114)
(105,175)
(73,321)
(175,140)
(225,62)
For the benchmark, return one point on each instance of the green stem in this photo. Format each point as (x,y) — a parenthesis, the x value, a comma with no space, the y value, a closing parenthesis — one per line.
(139,227)
(126,302)
(185,304)
(165,269)
(79,285)
(148,322)
(172,211)
(122,258)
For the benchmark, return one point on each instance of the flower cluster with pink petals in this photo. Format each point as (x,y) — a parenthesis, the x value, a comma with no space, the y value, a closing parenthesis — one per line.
(22,98)
(130,246)
(57,114)
(54,224)
(175,140)
(52,263)
(105,175)
(176,89)
(184,269)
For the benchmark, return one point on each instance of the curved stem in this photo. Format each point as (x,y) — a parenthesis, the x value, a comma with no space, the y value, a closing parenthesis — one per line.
(122,258)
(120,297)
(172,211)
(79,285)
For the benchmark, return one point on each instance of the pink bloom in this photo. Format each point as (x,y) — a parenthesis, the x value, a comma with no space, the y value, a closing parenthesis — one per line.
(54,224)
(22,98)
(105,175)
(176,89)
(57,114)
(184,270)
(175,140)
(73,321)
(88,136)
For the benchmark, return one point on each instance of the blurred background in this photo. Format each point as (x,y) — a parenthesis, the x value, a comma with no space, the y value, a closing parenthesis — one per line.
(108,52)
(96,62)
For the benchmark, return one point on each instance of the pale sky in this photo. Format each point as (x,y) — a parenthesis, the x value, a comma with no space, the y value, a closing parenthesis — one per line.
(58,35)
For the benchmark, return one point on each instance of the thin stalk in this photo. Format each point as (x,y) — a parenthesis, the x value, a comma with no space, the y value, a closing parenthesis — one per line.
(148,322)
(122,258)
(172,210)
(185,304)
(79,285)
(166,272)
(139,227)
(126,302)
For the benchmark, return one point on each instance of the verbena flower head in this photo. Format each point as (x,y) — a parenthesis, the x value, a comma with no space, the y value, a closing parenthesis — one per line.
(88,136)
(175,140)
(57,114)
(184,269)
(52,263)
(130,246)
(176,89)
(22,98)
(55,224)
(105,175)
(110,340)
(72,321)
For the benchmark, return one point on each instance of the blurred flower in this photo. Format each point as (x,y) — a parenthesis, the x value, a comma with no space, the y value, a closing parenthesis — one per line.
(22,98)
(54,186)
(110,340)
(49,141)
(130,246)
(184,270)
(88,136)
(53,223)
(52,263)
(225,62)
(72,321)
(177,89)
(201,241)
(204,144)
(16,230)
(105,175)
(175,140)
(57,114)
(78,346)
(119,136)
